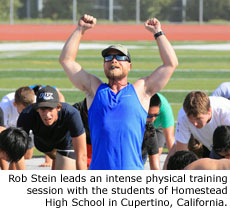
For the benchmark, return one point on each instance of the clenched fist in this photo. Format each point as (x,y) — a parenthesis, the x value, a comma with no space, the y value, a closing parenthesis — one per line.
(86,22)
(153,25)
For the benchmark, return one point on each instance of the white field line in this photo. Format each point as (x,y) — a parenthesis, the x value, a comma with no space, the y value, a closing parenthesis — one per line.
(37,46)
(100,70)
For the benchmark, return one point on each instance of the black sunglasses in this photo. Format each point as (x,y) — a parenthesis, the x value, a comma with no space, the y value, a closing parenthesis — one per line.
(153,115)
(118,57)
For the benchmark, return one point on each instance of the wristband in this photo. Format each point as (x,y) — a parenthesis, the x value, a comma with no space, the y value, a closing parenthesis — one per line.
(158,34)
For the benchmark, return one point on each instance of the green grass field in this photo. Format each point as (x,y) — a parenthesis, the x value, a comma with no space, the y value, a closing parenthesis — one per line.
(197,70)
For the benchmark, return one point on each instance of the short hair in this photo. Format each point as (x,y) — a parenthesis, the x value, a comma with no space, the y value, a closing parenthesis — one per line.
(155,101)
(14,142)
(221,139)
(195,146)
(195,103)
(24,96)
(180,160)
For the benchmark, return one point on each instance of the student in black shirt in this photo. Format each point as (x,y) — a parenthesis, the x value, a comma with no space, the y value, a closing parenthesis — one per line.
(57,128)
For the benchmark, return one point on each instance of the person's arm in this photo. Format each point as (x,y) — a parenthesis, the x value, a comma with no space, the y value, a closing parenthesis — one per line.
(148,86)
(169,136)
(20,165)
(79,145)
(3,164)
(84,81)
(154,162)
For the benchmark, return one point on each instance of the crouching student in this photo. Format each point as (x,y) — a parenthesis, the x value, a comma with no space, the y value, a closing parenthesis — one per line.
(57,128)
(13,145)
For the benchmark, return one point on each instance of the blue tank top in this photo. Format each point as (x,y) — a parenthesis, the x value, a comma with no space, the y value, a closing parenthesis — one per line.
(117,125)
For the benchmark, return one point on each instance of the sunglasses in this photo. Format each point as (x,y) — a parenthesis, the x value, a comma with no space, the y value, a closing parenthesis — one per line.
(153,115)
(117,57)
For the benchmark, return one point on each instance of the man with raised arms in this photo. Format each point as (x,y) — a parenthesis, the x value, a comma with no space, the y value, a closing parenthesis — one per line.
(118,110)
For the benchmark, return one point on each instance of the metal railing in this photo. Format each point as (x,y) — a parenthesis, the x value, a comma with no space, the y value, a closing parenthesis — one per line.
(118,10)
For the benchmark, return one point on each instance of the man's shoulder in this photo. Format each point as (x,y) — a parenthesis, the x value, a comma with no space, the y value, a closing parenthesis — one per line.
(182,117)
(162,97)
(218,98)
(181,113)
(219,102)
(27,116)
(7,100)
(9,96)
(28,113)
(67,107)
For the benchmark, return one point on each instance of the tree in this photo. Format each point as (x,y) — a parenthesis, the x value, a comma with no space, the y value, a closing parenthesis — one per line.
(213,9)
(156,8)
(22,11)
(58,9)
(216,9)
(5,9)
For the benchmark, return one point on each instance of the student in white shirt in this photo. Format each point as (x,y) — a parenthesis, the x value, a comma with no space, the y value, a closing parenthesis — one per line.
(200,116)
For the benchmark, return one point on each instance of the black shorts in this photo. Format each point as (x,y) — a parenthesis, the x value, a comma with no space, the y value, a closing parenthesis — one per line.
(160,137)
(67,153)
(45,147)
(149,145)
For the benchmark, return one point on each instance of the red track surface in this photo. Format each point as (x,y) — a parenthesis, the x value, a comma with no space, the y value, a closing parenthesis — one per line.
(114,32)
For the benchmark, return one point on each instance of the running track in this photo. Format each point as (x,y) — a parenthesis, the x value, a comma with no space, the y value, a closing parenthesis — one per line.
(130,32)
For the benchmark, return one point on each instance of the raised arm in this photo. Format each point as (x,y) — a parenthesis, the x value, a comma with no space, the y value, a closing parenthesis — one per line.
(148,86)
(77,75)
